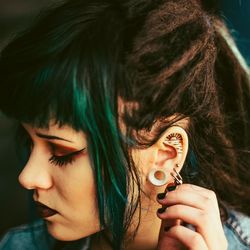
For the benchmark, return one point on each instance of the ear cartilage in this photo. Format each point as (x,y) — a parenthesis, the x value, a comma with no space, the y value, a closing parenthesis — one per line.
(175,140)
(174,137)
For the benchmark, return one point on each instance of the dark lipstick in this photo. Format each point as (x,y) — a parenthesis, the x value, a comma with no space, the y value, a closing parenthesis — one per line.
(44,211)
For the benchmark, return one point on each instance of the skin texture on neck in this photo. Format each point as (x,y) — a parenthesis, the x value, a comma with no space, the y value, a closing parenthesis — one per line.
(147,234)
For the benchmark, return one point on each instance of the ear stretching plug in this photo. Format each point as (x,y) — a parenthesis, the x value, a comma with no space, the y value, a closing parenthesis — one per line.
(158,177)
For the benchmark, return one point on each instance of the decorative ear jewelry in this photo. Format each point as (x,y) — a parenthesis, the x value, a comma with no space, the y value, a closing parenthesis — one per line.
(177,181)
(158,176)
(175,140)
(177,177)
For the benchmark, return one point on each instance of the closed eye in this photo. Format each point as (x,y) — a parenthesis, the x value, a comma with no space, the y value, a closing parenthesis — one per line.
(64,160)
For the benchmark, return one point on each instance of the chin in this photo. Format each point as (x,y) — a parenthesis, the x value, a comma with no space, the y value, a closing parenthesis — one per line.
(63,233)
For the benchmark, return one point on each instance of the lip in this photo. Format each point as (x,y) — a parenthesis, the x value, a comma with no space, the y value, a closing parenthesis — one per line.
(44,211)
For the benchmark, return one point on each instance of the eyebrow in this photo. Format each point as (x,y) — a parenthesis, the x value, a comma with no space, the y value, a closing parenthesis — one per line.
(51,137)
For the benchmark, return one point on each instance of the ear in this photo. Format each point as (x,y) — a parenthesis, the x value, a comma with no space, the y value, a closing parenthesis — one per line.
(168,151)
(168,154)
(171,148)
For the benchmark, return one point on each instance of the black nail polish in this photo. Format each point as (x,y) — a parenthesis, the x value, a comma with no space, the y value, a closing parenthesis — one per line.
(171,188)
(161,196)
(161,210)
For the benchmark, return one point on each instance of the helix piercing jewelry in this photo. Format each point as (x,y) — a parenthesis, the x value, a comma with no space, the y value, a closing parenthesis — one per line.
(177,177)
(177,181)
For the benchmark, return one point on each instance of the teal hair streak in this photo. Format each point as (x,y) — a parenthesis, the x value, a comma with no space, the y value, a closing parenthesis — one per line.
(109,161)
(97,109)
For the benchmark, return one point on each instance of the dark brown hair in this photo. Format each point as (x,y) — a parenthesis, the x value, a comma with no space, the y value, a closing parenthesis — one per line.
(184,63)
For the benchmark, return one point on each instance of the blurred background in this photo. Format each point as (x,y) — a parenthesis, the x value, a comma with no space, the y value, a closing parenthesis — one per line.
(17,15)
(237,15)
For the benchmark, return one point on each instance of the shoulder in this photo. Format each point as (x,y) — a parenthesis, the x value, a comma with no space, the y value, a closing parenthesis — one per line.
(237,230)
(27,237)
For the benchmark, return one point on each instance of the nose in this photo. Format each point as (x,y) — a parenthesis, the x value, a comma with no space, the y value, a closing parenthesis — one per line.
(36,174)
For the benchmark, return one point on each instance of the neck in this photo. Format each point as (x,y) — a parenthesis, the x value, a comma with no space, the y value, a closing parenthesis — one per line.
(147,234)
(149,227)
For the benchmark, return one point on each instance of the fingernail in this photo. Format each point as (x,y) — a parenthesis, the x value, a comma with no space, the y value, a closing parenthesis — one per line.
(161,210)
(171,187)
(166,228)
(161,196)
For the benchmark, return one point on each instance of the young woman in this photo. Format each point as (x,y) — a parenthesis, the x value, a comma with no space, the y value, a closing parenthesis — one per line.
(135,118)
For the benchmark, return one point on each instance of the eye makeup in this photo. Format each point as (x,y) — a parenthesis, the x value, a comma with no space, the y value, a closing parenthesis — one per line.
(60,149)
(61,155)
(63,160)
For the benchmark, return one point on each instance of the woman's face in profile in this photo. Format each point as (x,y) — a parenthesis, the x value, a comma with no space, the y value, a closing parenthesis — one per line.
(60,173)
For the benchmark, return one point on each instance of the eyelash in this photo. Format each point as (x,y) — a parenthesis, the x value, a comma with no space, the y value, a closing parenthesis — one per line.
(64,159)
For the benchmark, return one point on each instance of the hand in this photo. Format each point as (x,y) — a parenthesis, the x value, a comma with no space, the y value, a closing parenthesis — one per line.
(196,206)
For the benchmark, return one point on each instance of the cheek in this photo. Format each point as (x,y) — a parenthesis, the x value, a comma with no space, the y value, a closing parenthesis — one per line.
(76,197)
(143,159)
(75,183)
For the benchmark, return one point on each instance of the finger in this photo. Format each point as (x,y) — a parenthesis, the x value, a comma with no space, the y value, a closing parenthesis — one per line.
(208,195)
(206,224)
(190,198)
(197,189)
(190,239)
(186,213)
